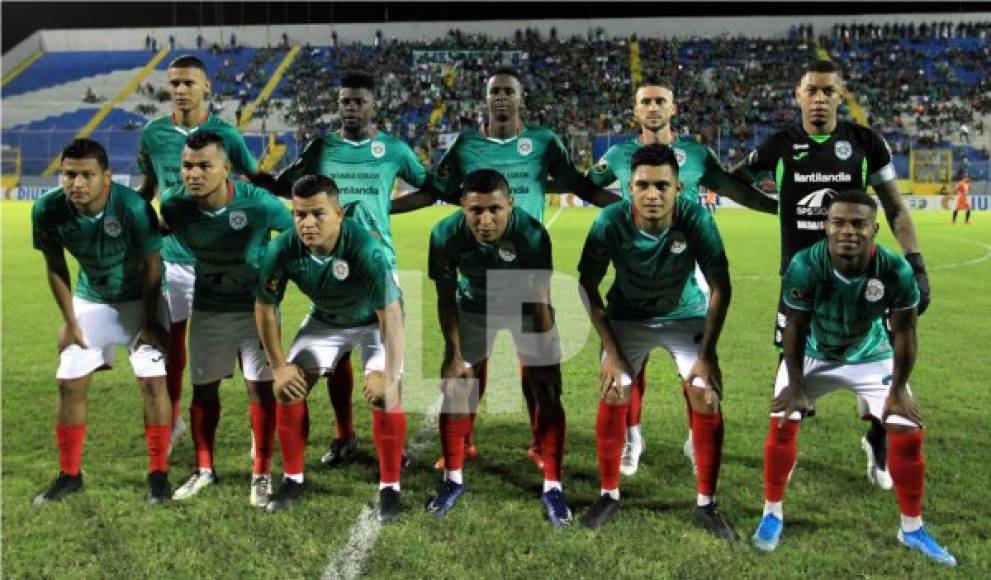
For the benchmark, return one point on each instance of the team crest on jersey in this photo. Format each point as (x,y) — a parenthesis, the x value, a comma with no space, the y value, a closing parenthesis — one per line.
(601,166)
(112,227)
(843,150)
(796,294)
(340,269)
(272,284)
(378,149)
(238,219)
(678,243)
(507,251)
(524,146)
(680,156)
(874,291)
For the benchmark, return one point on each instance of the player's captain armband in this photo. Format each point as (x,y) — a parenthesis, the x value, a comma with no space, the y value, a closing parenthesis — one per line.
(886,173)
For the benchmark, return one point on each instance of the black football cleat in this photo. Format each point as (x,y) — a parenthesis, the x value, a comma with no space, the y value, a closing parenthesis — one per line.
(340,452)
(390,504)
(289,492)
(159,490)
(63,485)
(600,512)
(710,518)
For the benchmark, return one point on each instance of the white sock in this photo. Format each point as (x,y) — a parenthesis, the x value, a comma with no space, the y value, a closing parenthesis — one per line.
(776,508)
(454,475)
(550,484)
(255,476)
(205,471)
(613,493)
(394,485)
(297,477)
(703,500)
(911,523)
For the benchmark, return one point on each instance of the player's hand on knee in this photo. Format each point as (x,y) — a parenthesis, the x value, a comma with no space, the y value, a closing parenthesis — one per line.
(289,383)
(454,367)
(374,390)
(70,334)
(615,379)
(154,335)
(902,404)
(707,372)
(791,400)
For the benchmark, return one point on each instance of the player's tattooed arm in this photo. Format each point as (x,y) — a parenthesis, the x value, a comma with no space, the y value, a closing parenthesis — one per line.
(793,397)
(152,332)
(905,348)
(587,190)
(740,190)
(60,283)
(614,365)
(148,187)
(902,226)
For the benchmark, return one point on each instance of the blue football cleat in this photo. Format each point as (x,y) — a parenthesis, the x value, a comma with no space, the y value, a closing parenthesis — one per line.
(921,541)
(446,498)
(558,511)
(768,533)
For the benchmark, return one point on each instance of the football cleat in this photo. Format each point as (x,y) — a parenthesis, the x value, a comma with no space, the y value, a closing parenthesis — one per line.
(178,430)
(446,498)
(600,512)
(536,458)
(877,469)
(339,452)
(558,511)
(289,492)
(710,518)
(261,490)
(630,462)
(470,453)
(689,450)
(768,533)
(921,541)
(389,504)
(63,485)
(196,482)
(159,490)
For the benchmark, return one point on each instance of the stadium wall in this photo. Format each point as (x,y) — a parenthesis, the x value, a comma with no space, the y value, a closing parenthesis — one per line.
(319,34)
(23,50)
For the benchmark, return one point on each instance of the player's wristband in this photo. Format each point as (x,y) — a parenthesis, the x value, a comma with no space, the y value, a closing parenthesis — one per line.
(915,260)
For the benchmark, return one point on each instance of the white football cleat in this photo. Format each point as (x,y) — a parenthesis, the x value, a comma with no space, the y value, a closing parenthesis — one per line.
(878,475)
(631,457)
(261,490)
(195,484)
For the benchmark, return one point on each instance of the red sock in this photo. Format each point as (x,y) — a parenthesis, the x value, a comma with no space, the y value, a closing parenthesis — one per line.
(610,434)
(157,438)
(908,470)
(482,376)
(550,441)
(637,391)
(70,439)
(453,432)
(263,428)
(531,409)
(340,386)
(291,423)
(707,438)
(204,415)
(389,434)
(175,366)
(780,451)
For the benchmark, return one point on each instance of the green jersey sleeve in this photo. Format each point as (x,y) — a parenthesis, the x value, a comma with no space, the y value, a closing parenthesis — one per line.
(242,159)
(799,285)
(559,165)
(448,177)
(279,218)
(704,239)
(272,276)
(595,257)
(41,229)
(144,155)
(410,169)
(376,278)
(145,223)
(602,174)
(714,175)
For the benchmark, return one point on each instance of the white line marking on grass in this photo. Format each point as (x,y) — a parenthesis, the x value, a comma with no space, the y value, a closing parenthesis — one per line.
(971,262)
(347,563)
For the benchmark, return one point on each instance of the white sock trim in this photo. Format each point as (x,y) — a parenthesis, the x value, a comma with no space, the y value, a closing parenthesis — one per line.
(613,493)
(394,485)
(911,523)
(297,477)
(776,508)
(455,475)
(703,500)
(550,484)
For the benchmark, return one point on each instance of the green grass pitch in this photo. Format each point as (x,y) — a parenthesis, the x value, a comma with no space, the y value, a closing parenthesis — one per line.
(837,525)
